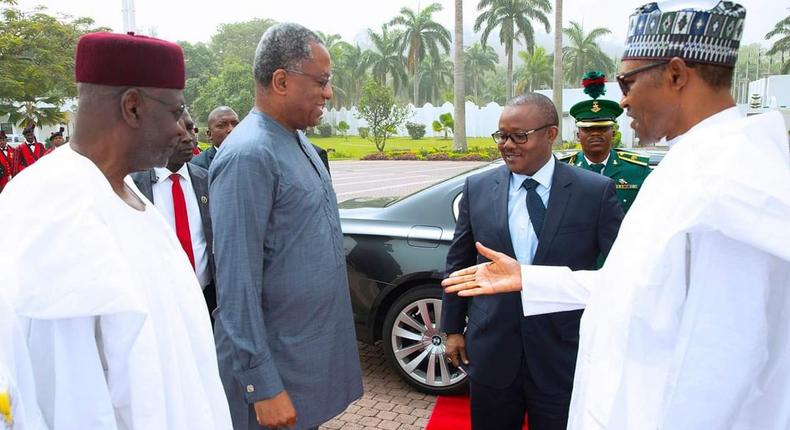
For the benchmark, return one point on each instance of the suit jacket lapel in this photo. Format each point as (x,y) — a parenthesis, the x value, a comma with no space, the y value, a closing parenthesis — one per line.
(558,201)
(146,186)
(501,193)
(200,185)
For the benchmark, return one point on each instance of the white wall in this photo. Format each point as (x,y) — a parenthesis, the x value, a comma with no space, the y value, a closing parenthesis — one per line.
(481,121)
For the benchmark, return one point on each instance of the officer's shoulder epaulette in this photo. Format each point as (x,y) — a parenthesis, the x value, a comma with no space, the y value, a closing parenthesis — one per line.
(568,158)
(633,158)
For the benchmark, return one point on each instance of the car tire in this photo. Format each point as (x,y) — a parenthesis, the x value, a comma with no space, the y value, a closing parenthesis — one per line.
(414,346)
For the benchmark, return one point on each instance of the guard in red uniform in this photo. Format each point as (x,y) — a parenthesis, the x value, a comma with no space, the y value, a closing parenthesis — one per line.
(7,160)
(29,151)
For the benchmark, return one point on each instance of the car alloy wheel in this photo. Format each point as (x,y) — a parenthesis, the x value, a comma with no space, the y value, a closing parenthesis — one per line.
(414,345)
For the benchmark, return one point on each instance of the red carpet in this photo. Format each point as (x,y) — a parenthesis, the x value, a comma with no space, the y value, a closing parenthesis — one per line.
(451,413)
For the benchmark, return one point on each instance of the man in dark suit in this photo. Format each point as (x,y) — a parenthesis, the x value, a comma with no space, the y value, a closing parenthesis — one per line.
(539,211)
(180,192)
(221,121)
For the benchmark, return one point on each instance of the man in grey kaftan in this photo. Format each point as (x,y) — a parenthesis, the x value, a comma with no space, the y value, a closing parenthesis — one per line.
(284,328)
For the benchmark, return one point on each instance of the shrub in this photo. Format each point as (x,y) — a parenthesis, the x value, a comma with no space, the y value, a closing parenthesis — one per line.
(438,156)
(404,156)
(416,131)
(474,157)
(334,155)
(325,130)
(445,124)
(363,132)
(375,156)
(342,128)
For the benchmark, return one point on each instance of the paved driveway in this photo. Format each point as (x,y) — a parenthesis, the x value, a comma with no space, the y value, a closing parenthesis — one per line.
(353,179)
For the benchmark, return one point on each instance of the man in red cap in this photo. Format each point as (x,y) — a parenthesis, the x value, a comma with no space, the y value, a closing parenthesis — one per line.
(29,151)
(117,328)
(7,160)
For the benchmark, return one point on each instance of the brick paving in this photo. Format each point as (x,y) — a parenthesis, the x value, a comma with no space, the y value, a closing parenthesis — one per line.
(388,402)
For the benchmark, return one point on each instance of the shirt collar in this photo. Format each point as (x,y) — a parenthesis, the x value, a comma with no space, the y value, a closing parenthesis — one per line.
(542,176)
(162,174)
(605,160)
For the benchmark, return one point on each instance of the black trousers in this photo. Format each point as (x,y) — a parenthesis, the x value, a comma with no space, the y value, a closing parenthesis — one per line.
(504,408)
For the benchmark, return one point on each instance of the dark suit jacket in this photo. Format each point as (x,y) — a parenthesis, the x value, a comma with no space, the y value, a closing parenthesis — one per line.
(205,158)
(199,176)
(582,220)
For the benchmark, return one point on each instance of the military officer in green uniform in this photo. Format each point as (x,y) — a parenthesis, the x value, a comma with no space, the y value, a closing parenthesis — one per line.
(595,119)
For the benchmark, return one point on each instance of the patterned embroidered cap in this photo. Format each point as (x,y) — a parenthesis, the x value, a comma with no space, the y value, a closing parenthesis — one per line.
(686,29)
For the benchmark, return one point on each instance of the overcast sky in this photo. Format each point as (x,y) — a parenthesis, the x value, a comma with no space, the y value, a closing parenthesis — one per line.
(197,20)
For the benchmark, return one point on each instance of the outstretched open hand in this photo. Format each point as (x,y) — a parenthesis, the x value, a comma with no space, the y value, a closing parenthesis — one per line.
(501,275)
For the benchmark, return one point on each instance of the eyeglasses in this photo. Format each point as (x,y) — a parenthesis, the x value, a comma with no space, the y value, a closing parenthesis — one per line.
(625,86)
(177,112)
(517,138)
(323,81)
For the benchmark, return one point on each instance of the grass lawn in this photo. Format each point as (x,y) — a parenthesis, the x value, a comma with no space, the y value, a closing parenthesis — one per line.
(356,147)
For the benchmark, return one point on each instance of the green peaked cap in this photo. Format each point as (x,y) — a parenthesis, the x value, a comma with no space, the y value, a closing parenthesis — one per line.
(595,112)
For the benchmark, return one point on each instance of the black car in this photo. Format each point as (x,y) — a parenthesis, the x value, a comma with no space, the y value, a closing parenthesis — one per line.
(395,255)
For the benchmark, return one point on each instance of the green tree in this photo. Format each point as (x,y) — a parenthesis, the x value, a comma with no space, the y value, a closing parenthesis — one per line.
(420,36)
(386,58)
(349,71)
(478,60)
(536,70)
(377,107)
(342,128)
(233,86)
(444,125)
(782,45)
(459,79)
(436,77)
(237,41)
(37,64)
(513,18)
(200,66)
(583,53)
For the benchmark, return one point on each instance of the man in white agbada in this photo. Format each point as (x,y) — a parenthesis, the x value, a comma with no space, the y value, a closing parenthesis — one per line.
(118,332)
(686,324)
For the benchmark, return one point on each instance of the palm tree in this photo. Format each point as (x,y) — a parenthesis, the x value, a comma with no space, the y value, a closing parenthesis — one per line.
(782,28)
(513,17)
(386,58)
(536,71)
(334,44)
(557,87)
(421,35)
(34,110)
(350,72)
(583,53)
(479,59)
(459,90)
(435,77)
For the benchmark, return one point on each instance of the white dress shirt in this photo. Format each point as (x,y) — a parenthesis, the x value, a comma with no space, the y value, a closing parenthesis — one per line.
(605,160)
(522,235)
(163,199)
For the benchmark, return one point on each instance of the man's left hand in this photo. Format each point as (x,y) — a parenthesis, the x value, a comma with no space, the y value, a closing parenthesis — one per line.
(501,275)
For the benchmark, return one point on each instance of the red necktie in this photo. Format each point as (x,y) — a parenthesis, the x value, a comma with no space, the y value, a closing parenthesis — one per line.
(182,219)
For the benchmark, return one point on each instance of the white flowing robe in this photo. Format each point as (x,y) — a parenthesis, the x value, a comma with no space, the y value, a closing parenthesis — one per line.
(117,327)
(686,325)
(16,375)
